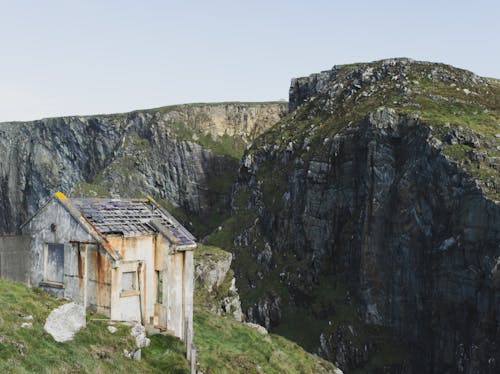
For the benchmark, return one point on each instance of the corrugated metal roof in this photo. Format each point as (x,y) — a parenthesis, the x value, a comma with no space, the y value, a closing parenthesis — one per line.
(130,217)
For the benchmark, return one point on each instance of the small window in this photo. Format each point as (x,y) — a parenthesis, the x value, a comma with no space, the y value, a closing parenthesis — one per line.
(129,281)
(159,287)
(54,266)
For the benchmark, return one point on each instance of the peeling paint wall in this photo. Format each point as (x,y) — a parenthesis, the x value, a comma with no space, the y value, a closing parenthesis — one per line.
(138,255)
(177,270)
(40,229)
(188,291)
(53,224)
(175,292)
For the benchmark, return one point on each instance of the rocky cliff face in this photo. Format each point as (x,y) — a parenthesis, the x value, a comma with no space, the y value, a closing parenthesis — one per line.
(185,155)
(215,283)
(368,218)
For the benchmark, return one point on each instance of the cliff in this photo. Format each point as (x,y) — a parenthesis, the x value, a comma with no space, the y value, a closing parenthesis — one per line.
(366,224)
(186,156)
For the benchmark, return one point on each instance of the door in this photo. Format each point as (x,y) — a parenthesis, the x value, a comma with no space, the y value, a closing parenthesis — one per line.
(54,267)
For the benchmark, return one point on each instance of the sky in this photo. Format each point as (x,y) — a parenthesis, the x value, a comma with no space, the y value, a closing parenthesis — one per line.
(69,57)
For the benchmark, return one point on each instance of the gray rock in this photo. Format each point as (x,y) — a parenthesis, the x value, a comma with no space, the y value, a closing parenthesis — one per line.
(112,329)
(134,354)
(260,329)
(137,355)
(138,331)
(211,271)
(65,321)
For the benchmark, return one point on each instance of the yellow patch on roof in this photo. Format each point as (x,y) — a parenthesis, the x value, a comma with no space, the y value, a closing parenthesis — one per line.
(60,196)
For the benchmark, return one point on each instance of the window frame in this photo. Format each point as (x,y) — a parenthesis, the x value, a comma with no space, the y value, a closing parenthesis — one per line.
(135,282)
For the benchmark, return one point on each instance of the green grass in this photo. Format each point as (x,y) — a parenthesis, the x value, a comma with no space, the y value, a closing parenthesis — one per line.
(94,349)
(223,345)
(226,346)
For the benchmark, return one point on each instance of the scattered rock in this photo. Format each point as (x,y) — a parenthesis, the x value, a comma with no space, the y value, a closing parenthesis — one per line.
(27,325)
(134,354)
(112,329)
(260,329)
(65,321)
(138,331)
(100,352)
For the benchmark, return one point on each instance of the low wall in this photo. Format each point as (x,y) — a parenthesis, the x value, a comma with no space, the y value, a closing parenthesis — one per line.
(15,258)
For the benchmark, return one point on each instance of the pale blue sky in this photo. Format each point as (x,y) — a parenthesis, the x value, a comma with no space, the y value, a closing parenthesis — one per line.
(62,57)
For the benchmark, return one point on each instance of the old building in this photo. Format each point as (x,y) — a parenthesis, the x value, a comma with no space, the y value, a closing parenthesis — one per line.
(127,259)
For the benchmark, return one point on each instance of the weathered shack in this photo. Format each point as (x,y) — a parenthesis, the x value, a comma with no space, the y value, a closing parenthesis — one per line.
(128,259)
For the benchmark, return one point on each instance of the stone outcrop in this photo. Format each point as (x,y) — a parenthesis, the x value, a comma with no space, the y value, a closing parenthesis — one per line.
(215,285)
(376,207)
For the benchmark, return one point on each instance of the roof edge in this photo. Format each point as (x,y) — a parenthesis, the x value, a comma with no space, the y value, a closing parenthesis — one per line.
(172,218)
(62,199)
(36,213)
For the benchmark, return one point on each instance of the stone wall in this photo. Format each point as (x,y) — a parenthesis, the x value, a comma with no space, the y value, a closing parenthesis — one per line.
(14,258)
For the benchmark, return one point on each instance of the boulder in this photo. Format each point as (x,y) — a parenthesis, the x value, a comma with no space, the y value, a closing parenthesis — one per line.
(65,321)
(260,329)
(138,331)
(112,329)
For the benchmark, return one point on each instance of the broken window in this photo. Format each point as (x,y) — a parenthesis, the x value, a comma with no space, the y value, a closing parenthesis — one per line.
(129,281)
(159,287)
(54,266)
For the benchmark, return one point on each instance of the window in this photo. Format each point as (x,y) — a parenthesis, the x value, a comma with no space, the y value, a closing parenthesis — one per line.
(159,287)
(54,263)
(129,281)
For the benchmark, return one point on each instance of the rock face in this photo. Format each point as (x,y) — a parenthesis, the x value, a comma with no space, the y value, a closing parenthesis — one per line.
(186,155)
(215,285)
(371,222)
(64,322)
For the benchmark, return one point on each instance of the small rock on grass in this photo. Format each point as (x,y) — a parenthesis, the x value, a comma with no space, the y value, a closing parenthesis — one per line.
(112,329)
(260,329)
(139,333)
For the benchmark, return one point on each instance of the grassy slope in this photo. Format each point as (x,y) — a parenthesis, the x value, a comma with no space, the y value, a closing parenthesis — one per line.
(224,346)
(94,349)
(227,346)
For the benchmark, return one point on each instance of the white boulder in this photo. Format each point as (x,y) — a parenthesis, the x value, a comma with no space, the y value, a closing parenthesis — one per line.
(65,321)
(112,329)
